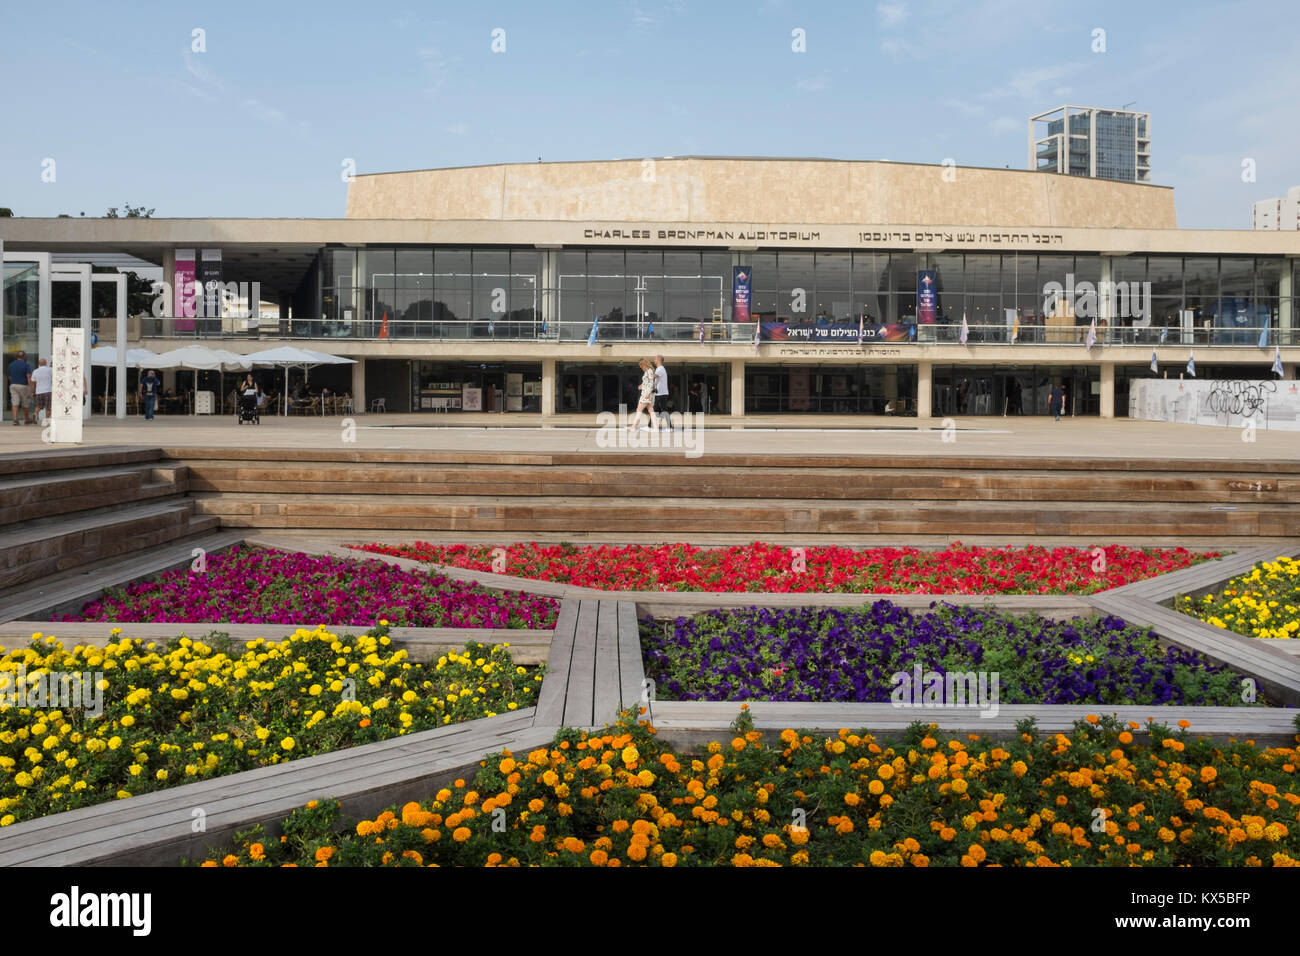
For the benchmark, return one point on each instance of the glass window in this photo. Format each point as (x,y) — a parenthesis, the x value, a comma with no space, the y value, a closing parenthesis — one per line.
(1236,277)
(902,271)
(1201,279)
(715,283)
(682,285)
(1087,269)
(491,268)
(1165,273)
(763,267)
(1268,276)
(452,288)
(1129,269)
(950,272)
(798,288)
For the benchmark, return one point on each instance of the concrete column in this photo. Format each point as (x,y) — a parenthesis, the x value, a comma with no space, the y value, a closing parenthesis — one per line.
(120,411)
(359,386)
(548,387)
(1285,308)
(1107,389)
(550,300)
(924,389)
(737,387)
(1105,301)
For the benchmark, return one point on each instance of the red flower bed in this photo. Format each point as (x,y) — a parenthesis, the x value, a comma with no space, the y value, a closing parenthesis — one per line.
(763,567)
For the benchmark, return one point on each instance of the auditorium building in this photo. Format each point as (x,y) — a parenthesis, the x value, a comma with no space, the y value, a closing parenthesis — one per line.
(774,287)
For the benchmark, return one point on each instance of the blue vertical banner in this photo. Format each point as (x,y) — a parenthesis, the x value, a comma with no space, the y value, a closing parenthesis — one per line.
(926,296)
(741,283)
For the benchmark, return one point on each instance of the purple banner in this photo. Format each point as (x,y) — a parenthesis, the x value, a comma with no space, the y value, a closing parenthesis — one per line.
(741,282)
(926,297)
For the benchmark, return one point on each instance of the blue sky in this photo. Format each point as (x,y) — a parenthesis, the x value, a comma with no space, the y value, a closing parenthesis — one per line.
(260,122)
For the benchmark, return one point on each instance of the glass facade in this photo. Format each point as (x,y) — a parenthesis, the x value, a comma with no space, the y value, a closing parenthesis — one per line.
(475,386)
(1117,147)
(411,292)
(21,314)
(830,389)
(450,293)
(602,386)
(1013,389)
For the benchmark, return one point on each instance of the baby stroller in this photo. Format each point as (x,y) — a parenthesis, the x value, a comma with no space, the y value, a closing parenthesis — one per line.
(248,411)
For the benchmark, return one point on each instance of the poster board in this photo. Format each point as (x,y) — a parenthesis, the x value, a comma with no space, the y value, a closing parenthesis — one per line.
(471,399)
(67,385)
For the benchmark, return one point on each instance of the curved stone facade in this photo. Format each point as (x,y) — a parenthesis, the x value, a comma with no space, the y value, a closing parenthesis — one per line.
(702,190)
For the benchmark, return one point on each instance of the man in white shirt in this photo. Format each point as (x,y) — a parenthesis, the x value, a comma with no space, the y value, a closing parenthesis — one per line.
(43,383)
(661,390)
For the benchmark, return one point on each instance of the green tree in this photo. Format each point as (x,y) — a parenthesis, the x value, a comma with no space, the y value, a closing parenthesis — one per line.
(128,212)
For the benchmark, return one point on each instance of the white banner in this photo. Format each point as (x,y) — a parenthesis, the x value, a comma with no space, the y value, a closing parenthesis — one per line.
(68,385)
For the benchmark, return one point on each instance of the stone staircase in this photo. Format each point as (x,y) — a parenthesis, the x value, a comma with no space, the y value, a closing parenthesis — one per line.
(849,499)
(61,510)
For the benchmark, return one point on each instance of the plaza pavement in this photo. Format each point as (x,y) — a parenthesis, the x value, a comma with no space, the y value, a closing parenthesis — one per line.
(1039,436)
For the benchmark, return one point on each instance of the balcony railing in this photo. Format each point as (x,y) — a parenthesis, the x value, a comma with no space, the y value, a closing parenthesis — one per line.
(709,332)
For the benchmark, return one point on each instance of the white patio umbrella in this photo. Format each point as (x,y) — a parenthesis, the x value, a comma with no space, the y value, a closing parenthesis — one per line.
(105,356)
(291,356)
(203,359)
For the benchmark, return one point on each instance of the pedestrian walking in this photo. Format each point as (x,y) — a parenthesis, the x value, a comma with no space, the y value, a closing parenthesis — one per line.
(661,391)
(43,384)
(150,386)
(20,386)
(1057,401)
(646,399)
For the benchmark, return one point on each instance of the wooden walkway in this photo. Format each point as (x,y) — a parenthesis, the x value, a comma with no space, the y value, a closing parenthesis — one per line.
(692,723)
(595,665)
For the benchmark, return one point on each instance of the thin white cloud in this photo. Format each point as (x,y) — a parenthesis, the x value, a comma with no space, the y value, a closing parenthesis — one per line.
(1005,124)
(437,67)
(898,49)
(891,14)
(456,129)
(267,114)
(1033,84)
(970,109)
(814,84)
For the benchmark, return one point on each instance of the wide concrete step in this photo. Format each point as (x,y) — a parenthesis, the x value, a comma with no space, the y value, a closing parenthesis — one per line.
(63,459)
(293,478)
(753,517)
(63,592)
(34,549)
(32,496)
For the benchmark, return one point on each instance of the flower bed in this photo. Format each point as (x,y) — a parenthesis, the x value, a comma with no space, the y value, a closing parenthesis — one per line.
(264,586)
(190,710)
(622,798)
(1264,602)
(763,567)
(851,654)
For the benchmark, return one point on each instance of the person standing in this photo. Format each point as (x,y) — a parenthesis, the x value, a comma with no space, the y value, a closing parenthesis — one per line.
(20,386)
(646,400)
(661,390)
(1057,401)
(43,384)
(150,386)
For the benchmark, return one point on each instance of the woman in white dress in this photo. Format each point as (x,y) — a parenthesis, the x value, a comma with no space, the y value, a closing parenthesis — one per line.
(646,399)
